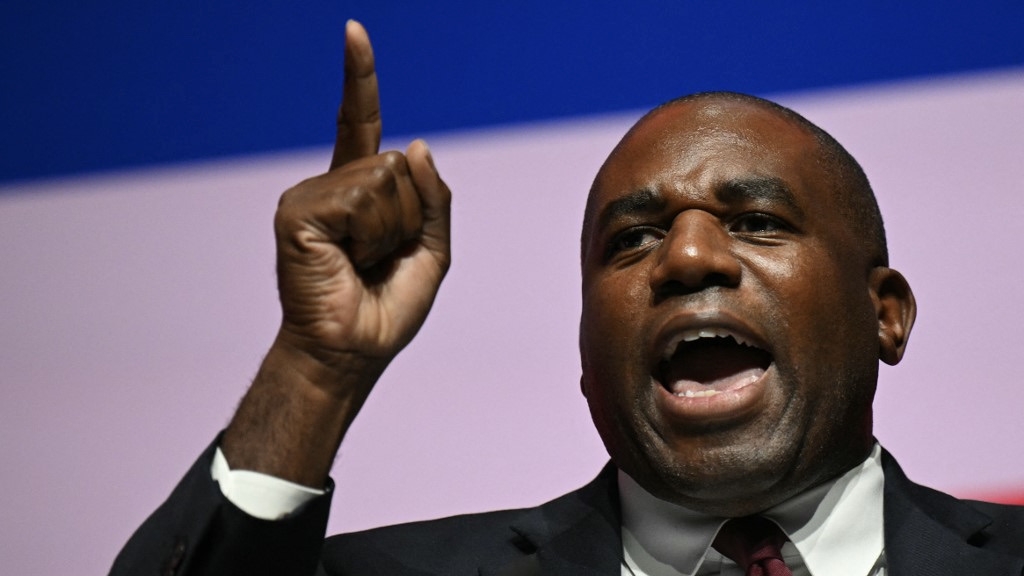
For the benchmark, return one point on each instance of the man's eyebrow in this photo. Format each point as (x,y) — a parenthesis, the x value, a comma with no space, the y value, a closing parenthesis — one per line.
(643,201)
(758,189)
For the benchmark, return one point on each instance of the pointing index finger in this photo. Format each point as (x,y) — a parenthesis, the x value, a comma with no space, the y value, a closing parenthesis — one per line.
(359,125)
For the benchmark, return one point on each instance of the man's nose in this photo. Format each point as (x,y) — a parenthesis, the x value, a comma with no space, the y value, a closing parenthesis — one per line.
(696,254)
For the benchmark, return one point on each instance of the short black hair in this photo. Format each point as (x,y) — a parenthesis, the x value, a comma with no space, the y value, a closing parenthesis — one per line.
(857,199)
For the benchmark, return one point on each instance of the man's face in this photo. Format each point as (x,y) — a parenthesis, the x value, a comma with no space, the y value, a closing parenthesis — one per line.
(729,335)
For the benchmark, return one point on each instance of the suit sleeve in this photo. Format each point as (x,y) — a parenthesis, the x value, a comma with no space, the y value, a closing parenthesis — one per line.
(199,532)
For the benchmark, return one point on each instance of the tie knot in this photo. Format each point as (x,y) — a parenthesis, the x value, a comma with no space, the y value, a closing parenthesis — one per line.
(750,541)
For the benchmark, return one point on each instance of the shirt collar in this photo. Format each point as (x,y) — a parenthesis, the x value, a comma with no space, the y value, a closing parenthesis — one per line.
(836,527)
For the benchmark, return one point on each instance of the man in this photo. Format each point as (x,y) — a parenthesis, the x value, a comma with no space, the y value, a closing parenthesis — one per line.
(736,301)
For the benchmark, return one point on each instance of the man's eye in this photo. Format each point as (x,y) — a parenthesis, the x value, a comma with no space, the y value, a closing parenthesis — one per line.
(757,224)
(632,239)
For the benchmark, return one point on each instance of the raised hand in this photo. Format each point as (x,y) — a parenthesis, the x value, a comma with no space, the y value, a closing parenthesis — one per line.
(362,250)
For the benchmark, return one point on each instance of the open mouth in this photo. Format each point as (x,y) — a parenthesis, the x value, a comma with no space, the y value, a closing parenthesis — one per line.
(706,362)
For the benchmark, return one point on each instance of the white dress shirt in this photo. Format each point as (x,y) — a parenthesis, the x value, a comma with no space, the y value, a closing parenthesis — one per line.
(260,495)
(835,529)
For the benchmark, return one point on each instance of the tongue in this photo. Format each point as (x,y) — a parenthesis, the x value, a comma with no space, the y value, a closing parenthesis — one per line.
(709,368)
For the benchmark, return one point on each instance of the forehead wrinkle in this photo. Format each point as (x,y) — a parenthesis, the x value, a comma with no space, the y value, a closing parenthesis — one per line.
(763,189)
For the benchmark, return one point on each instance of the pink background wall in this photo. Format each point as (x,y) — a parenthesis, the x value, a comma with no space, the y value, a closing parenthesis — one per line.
(136,306)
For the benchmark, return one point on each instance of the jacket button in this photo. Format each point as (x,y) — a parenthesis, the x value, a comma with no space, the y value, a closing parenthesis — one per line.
(177,555)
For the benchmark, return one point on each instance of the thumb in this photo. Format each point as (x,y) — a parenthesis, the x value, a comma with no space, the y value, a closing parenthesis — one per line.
(435,200)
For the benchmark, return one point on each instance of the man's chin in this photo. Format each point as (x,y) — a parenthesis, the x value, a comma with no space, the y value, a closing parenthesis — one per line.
(742,479)
(730,486)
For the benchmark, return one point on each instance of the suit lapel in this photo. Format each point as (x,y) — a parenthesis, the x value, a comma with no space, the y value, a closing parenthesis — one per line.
(927,533)
(931,533)
(576,534)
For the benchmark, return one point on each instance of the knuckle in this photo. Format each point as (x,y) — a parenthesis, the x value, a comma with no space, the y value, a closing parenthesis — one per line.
(383,179)
(286,209)
(286,224)
(358,197)
(392,158)
(289,196)
(303,191)
(394,161)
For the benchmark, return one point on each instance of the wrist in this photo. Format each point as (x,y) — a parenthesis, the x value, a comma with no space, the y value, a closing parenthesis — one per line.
(338,373)
(312,386)
(291,421)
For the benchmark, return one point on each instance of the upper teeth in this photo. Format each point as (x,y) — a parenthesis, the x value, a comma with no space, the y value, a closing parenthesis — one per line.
(697,333)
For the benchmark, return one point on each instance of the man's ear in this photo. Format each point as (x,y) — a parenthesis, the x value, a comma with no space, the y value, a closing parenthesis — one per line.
(895,309)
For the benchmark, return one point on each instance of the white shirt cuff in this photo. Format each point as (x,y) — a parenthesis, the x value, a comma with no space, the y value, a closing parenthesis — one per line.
(260,495)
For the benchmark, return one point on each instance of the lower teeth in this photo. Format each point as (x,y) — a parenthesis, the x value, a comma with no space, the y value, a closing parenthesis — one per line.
(696,393)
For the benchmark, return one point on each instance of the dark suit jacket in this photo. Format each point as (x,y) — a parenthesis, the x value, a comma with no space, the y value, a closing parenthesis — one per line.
(198,532)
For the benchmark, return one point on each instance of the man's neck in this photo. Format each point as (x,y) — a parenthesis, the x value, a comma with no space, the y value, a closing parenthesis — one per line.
(835,528)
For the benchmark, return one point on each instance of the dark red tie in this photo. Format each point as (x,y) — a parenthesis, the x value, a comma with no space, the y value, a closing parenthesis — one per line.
(755,543)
